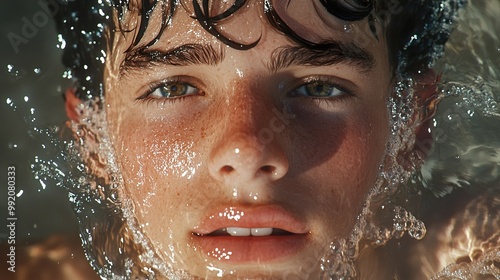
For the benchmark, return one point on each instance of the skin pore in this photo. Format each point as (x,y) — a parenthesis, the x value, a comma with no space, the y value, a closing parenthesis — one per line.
(278,136)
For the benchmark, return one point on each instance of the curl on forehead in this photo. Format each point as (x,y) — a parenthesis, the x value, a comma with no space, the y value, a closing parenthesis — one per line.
(415,34)
(212,13)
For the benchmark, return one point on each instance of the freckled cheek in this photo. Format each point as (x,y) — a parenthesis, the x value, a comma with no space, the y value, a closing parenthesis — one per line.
(364,153)
(355,165)
(366,148)
(161,157)
(152,155)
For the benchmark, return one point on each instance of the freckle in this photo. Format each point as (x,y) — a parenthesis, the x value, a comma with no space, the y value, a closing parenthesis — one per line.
(202,132)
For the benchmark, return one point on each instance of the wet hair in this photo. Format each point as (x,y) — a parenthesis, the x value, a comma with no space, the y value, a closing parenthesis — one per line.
(416,32)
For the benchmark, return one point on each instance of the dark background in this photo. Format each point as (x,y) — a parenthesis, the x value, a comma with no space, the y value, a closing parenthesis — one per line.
(40,212)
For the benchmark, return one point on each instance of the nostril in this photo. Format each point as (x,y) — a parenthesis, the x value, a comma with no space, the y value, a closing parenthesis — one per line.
(227,169)
(268,168)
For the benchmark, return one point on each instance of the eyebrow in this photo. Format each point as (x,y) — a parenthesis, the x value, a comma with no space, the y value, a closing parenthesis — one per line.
(184,55)
(324,54)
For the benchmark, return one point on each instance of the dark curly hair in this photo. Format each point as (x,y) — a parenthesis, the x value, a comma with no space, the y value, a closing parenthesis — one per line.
(416,32)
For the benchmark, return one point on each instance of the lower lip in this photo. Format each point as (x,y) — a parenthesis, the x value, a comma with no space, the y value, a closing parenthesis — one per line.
(251,249)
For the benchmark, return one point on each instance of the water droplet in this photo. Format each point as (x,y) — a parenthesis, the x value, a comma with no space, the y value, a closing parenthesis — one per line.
(62,43)
(42,183)
(37,71)
(68,74)
(26,98)
(15,74)
(347,27)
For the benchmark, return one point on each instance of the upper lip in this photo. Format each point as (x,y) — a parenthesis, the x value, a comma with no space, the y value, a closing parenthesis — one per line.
(264,216)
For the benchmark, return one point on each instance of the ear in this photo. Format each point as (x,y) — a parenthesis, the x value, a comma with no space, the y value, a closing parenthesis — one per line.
(89,150)
(72,104)
(426,93)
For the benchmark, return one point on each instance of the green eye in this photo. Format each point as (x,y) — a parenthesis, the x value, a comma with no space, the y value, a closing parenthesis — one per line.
(173,90)
(318,89)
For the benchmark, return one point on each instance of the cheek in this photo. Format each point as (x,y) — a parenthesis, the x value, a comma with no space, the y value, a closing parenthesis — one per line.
(157,162)
(365,147)
(362,155)
(352,149)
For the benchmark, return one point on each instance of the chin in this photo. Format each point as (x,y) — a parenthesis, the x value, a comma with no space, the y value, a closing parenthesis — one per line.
(283,270)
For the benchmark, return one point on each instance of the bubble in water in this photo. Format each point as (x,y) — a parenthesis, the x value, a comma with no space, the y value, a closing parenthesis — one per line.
(62,43)
(14,73)
(404,221)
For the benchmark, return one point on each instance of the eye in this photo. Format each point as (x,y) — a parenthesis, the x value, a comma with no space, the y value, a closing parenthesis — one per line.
(173,90)
(318,89)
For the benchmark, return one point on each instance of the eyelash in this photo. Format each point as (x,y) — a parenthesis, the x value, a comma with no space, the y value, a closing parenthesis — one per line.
(346,93)
(146,97)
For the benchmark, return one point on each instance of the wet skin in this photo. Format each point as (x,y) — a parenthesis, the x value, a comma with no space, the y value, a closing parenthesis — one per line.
(244,141)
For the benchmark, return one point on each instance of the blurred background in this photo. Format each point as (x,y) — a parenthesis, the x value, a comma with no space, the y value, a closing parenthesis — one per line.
(30,77)
(47,241)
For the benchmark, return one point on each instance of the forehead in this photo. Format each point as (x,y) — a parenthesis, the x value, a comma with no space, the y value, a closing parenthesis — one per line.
(241,22)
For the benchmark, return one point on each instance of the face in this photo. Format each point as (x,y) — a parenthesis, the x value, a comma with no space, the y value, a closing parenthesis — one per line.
(237,158)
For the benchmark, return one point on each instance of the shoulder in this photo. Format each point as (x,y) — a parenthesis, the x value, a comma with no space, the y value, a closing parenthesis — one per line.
(55,257)
(463,235)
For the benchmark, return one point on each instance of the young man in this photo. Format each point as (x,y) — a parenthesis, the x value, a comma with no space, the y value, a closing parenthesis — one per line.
(243,139)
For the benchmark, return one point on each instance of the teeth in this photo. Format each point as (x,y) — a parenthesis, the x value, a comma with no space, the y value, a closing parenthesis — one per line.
(261,231)
(236,231)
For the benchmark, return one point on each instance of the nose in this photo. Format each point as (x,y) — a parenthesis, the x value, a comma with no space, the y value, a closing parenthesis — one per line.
(244,156)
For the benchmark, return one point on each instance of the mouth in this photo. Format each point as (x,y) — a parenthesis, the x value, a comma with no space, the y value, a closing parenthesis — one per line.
(250,235)
(240,231)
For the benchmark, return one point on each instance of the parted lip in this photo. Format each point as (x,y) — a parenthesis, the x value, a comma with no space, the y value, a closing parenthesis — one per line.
(290,234)
(264,216)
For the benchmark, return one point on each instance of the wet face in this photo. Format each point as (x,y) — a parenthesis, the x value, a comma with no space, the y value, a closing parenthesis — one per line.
(238,158)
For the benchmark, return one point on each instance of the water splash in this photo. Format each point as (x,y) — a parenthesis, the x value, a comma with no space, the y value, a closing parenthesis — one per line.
(487,266)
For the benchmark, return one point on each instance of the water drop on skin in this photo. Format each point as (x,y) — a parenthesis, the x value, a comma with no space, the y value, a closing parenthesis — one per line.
(347,28)
(254,196)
